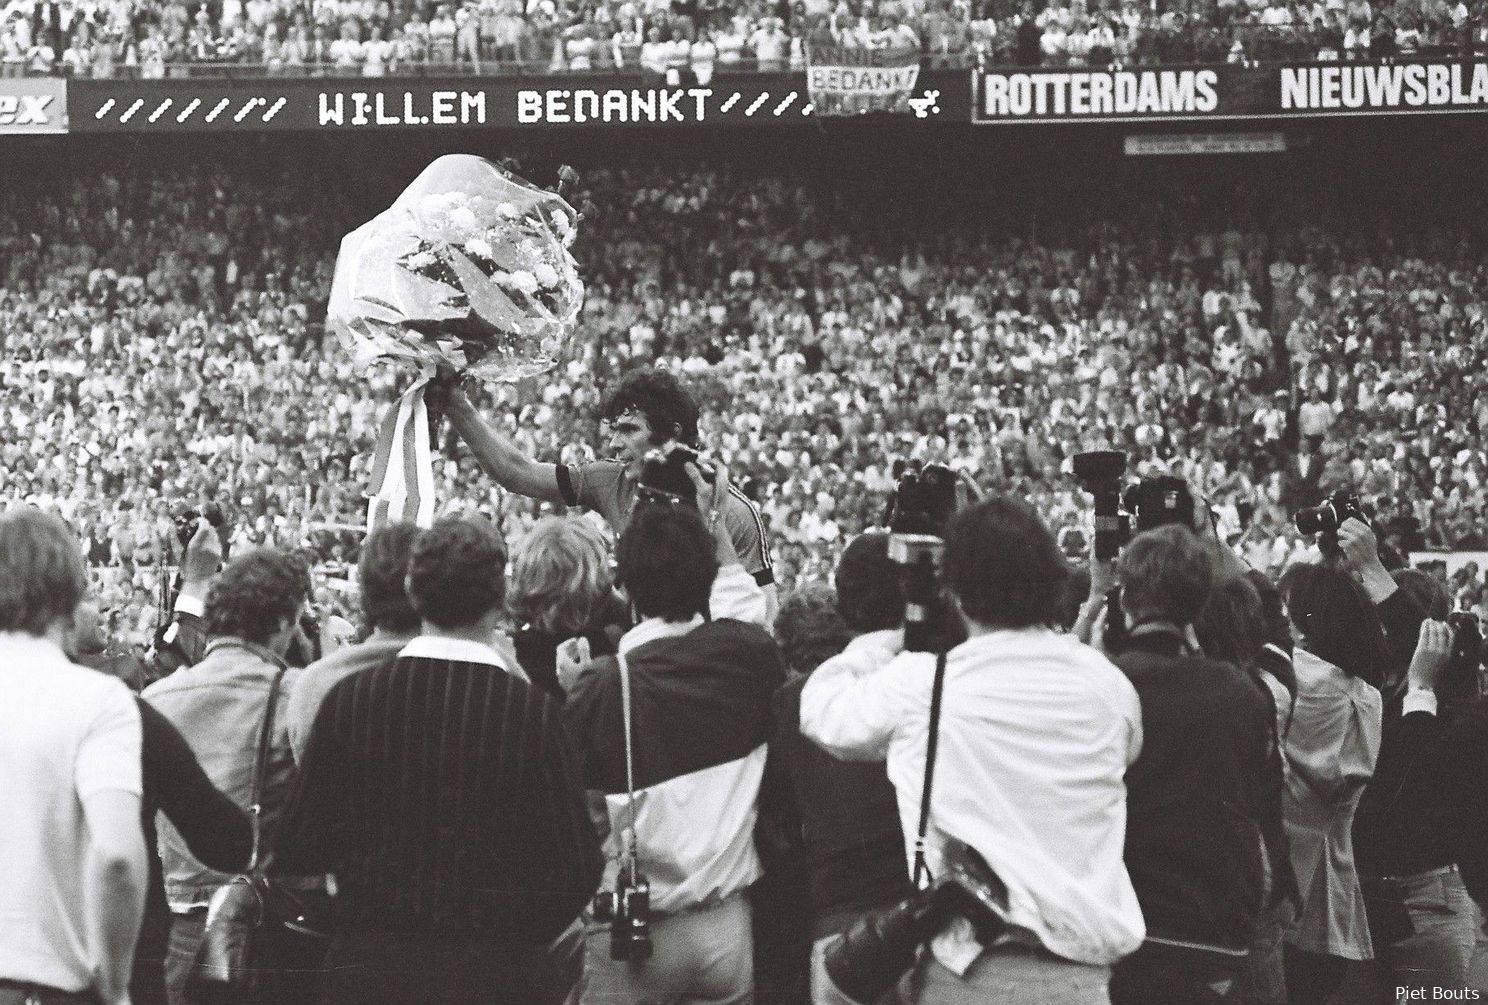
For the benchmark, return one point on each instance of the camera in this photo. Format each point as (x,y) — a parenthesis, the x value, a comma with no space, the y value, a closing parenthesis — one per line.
(627,910)
(923,502)
(187,518)
(1099,473)
(877,950)
(664,477)
(1460,681)
(1326,518)
(924,499)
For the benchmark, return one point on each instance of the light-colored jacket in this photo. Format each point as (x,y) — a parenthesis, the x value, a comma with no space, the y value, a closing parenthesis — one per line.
(218,706)
(1331,749)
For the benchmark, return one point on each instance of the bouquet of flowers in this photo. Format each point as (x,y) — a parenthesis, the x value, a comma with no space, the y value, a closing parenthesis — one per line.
(467,274)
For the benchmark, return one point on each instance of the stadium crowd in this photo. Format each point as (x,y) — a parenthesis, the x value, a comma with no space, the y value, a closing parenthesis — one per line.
(827,335)
(155,38)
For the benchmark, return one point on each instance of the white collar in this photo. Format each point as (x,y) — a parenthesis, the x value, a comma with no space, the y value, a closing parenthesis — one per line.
(442,647)
(655,628)
(24,647)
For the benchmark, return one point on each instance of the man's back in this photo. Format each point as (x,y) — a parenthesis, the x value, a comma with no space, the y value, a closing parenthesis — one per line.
(65,733)
(1194,795)
(441,793)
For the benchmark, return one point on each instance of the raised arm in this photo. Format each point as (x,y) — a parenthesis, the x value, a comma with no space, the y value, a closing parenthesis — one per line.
(500,458)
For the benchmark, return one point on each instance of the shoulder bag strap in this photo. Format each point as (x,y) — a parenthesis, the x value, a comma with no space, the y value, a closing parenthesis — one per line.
(260,763)
(628,836)
(921,867)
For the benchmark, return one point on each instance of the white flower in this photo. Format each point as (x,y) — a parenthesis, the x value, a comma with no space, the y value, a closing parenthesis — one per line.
(507,211)
(479,248)
(524,281)
(462,218)
(546,275)
(421,259)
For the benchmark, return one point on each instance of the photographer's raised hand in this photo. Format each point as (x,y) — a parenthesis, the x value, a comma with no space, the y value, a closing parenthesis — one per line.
(1361,557)
(1433,653)
(710,499)
(201,560)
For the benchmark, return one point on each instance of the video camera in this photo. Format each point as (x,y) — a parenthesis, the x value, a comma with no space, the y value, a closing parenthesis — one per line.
(923,502)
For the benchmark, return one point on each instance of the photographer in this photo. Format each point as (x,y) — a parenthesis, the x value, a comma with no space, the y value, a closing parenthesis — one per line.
(842,815)
(252,612)
(673,733)
(647,410)
(1197,799)
(1420,916)
(1332,747)
(1036,736)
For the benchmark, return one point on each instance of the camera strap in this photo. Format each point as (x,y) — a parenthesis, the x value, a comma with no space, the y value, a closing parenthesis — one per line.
(921,866)
(628,836)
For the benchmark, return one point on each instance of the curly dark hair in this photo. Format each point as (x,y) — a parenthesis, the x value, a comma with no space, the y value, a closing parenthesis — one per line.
(665,561)
(256,594)
(658,396)
(869,595)
(382,572)
(457,573)
(1003,564)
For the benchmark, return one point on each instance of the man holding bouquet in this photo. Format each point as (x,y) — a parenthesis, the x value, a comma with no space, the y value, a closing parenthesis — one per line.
(648,410)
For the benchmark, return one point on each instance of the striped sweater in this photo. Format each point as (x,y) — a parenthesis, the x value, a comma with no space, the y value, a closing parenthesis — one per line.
(443,795)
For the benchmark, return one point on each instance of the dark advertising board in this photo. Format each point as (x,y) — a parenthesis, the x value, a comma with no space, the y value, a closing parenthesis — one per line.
(346,104)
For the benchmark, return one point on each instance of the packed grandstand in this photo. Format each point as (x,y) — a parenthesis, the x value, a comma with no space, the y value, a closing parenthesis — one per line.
(374,38)
(161,320)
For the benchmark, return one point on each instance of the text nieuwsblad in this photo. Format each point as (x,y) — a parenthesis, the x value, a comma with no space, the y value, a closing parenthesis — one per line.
(1123,92)
(1413,85)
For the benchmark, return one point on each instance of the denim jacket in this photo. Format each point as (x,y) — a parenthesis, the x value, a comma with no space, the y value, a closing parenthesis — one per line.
(218,706)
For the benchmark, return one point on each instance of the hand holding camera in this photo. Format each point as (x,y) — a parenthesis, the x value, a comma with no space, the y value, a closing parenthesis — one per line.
(202,559)
(1433,654)
(1360,550)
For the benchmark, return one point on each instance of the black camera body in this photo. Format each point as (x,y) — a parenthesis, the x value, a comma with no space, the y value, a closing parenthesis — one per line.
(1099,473)
(188,518)
(664,477)
(924,499)
(627,910)
(875,952)
(1328,516)
(923,503)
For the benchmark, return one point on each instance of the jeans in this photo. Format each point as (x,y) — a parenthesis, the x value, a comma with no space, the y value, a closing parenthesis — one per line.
(1009,973)
(180,953)
(296,965)
(1477,970)
(1158,974)
(1265,973)
(1422,927)
(705,955)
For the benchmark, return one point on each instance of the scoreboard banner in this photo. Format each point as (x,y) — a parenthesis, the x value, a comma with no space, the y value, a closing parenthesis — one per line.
(1202,93)
(32,105)
(358,104)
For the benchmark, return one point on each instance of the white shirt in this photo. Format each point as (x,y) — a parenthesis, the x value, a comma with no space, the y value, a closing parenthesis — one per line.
(1036,734)
(66,733)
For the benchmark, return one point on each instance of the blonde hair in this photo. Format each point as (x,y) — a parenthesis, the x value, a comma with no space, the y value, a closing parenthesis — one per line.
(560,575)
